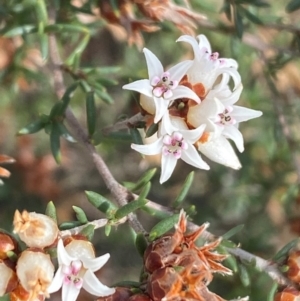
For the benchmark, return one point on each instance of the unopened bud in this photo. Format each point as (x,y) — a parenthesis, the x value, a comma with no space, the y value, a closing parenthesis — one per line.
(9,280)
(293,263)
(288,294)
(7,243)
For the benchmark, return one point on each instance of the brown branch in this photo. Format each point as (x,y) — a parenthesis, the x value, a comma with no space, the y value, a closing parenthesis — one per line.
(119,192)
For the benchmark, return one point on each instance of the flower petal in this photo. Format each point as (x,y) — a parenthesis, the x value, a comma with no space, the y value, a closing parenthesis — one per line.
(154,65)
(220,151)
(161,107)
(179,70)
(232,132)
(192,157)
(241,114)
(193,135)
(204,43)
(168,163)
(92,285)
(149,149)
(69,292)
(185,92)
(57,281)
(95,264)
(233,98)
(194,44)
(62,254)
(142,86)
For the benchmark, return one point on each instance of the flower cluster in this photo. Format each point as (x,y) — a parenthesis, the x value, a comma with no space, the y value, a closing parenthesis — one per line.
(194,105)
(30,276)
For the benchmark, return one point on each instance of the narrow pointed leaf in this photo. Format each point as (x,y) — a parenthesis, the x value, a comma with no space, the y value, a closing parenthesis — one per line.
(32,127)
(44,45)
(51,211)
(67,97)
(55,142)
(141,243)
(228,243)
(65,133)
(88,231)
(104,96)
(91,112)
(231,262)
(233,231)
(292,6)
(56,110)
(136,136)
(69,225)
(163,226)
(244,275)
(80,215)
(184,190)
(160,214)
(67,28)
(21,30)
(146,178)
(107,229)
(238,22)
(283,252)
(13,257)
(101,203)
(41,11)
(272,292)
(153,128)
(134,205)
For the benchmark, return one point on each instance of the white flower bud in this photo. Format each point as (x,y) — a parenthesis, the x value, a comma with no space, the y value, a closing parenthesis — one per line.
(8,279)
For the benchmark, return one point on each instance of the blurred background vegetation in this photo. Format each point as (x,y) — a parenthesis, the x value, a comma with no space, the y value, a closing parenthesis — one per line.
(264,38)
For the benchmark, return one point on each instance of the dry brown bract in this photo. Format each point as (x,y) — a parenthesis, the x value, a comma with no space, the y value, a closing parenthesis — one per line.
(153,11)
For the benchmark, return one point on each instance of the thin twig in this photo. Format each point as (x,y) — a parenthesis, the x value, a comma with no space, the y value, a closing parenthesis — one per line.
(119,192)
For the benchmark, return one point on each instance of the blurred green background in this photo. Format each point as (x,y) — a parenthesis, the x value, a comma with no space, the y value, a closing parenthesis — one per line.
(263,195)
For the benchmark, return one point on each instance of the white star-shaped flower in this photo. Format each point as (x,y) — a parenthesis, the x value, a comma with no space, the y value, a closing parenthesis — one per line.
(175,142)
(163,87)
(77,264)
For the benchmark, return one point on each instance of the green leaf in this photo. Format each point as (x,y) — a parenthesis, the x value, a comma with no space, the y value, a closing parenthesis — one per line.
(136,136)
(141,243)
(238,22)
(107,229)
(233,231)
(41,11)
(251,17)
(98,137)
(21,30)
(55,142)
(101,203)
(67,28)
(134,205)
(51,211)
(146,178)
(228,243)
(272,292)
(65,133)
(56,110)
(283,252)
(44,45)
(163,226)
(91,112)
(12,256)
(104,96)
(67,97)
(80,215)
(5,297)
(153,128)
(227,10)
(160,214)
(74,57)
(244,275)
(231,262)
(69,225)
(32,127)
(292,6)
(88,231)
(184,190)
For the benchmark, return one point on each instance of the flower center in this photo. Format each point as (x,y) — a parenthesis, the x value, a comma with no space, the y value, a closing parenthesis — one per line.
(163,85)
(72,274)
(225,118)
(173,145)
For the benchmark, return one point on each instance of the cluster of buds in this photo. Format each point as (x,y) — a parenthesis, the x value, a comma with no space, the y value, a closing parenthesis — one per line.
(176,269)
(293,273)
(193,105)
(29,275)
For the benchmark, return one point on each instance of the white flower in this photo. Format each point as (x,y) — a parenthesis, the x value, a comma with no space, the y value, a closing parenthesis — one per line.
(207,66)
(77,264)
(163,86)
(175,142)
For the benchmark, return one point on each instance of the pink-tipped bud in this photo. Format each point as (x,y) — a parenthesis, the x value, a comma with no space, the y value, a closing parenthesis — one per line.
(35,272)
(35,229)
